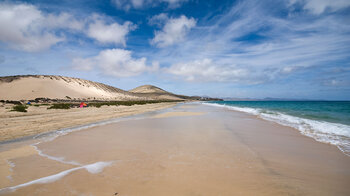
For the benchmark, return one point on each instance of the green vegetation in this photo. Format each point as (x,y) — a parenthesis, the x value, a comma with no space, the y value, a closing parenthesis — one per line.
(60,106)
(19,108)
(127,103)
(107,103)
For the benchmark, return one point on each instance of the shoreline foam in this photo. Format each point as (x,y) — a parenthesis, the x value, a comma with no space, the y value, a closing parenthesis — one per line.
(325,132)
(91,168)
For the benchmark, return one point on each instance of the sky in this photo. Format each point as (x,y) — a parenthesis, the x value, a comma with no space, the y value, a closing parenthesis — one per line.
(244,49)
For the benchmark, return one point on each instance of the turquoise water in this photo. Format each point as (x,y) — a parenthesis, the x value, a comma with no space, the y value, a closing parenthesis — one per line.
(325,121)
(329,111)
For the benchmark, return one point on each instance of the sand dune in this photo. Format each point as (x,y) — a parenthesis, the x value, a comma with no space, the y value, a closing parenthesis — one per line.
(60,87)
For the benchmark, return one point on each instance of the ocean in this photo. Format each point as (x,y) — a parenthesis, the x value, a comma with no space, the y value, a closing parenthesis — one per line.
(325,121)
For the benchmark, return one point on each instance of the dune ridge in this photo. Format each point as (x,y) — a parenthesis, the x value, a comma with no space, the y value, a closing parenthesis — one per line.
(27,87)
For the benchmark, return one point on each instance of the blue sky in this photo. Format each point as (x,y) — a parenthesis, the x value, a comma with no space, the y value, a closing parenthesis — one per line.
(251,48)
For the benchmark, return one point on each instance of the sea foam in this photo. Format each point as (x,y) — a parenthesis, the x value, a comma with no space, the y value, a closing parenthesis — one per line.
(326,132)
(91,168)
(12,165)
(59,159)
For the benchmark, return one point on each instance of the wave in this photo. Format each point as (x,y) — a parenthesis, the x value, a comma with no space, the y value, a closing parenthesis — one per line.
(12,165)
(91,168)
(326,132)
(59,159)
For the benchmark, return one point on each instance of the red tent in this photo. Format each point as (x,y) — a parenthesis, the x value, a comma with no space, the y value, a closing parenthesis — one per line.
(82,104)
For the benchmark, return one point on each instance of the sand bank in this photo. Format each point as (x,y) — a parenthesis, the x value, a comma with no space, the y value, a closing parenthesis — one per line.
(218,152)
(39,119)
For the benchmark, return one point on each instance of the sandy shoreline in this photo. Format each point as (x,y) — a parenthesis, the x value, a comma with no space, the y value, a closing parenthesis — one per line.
(186,150)
(37,120)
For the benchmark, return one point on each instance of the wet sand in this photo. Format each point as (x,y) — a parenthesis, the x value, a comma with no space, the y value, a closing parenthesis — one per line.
(186,150)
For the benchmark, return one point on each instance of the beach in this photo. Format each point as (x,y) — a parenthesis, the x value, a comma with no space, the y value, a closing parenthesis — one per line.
(15,125)
(186,149)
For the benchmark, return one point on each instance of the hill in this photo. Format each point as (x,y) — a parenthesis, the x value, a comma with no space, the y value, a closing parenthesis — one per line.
(148,89)
(156,93)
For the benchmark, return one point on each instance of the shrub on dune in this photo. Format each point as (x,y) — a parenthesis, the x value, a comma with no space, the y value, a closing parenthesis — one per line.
(19,108)
(60,106)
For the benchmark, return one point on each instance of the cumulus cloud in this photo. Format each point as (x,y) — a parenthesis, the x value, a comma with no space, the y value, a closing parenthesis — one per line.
(109,33)
(174,31)
(140,4)
(174,3)
(115,62)
(319,6)
(63,20)
(23,28)
(158,20)
(27,28)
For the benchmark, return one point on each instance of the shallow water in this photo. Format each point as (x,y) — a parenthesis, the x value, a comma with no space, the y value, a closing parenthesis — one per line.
(325,121)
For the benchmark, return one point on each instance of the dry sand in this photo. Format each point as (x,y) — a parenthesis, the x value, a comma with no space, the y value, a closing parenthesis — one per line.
(218,152)
(39,119)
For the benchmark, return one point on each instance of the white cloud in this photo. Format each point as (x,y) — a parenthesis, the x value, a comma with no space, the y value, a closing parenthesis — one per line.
(109,33)
(174,3)
(115,62)
(26,28)
(319,6)
(140,4)
(250,40)
(207,70)
(174,31)
(64,20)
(23,28)
(158,20)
